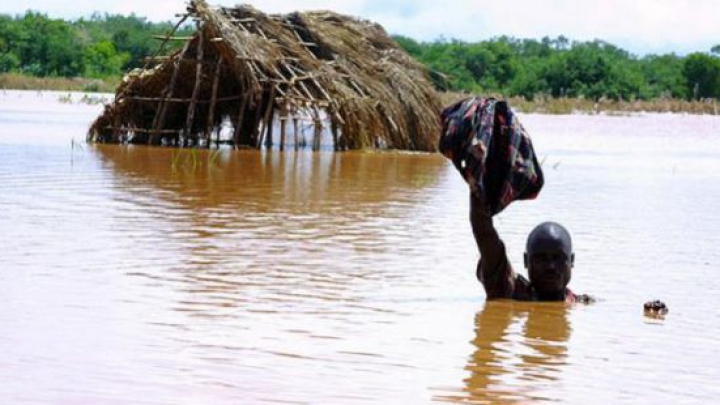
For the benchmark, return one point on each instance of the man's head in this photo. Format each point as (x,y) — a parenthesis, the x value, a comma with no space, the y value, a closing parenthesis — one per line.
(549,259)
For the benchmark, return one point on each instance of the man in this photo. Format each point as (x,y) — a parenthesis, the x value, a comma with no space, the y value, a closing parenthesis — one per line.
(549,260)
(495,156)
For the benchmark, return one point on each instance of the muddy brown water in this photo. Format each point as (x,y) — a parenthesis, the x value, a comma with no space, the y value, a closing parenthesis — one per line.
(155,276)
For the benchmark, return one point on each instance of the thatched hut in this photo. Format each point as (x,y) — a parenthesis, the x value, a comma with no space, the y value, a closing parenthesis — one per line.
(250,79)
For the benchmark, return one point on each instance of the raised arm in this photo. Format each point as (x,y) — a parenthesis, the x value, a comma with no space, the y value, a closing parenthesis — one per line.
(493,269)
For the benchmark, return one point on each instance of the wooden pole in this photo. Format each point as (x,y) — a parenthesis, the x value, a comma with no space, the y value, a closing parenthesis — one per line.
(116,132)
(213,100)
(161,112)
(241,117)
(283,125)
(167,38)
(196,89)
(322,90)
(342,140)
(296,80)
(334,129)
(295,132)
(318,129)
(269,130)
(268,113)
(181,100)
(255,119)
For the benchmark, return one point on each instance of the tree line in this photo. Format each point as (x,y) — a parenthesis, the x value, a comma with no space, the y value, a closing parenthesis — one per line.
(98,47)
(109,45)
(561,68)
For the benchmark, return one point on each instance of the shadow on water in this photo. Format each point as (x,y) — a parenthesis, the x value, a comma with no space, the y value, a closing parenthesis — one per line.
(520,350)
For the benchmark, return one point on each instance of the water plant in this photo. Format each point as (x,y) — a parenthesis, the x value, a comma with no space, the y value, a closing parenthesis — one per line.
(191,159)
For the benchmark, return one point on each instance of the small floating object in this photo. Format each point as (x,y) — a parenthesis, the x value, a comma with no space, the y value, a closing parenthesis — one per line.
(655,308)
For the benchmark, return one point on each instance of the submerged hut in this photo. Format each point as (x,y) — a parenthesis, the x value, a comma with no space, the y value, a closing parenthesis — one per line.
(249,79)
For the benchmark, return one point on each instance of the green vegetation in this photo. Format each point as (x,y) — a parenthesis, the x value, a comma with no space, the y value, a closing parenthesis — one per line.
(40,52)
(560,68)
(101,47)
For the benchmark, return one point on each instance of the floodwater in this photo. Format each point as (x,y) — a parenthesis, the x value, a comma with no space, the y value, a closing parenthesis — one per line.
(157,276)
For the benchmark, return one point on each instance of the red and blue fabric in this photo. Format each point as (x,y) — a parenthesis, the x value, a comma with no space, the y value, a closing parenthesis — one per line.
(483,135)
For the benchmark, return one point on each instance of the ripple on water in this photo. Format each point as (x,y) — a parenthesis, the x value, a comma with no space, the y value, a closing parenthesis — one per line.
(324,278)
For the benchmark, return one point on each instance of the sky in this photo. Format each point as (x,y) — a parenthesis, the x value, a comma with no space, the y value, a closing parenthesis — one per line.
(639,26)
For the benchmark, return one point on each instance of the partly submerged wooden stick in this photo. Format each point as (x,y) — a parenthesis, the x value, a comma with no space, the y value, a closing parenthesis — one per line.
(283,124)
(295,133)
(317,136)
(268,114)
(241,117)
(161,112)
(334,130)
(269,129)
(196,89)
(211,113)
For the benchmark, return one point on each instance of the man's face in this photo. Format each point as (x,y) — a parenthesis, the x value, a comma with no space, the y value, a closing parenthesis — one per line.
(549,265)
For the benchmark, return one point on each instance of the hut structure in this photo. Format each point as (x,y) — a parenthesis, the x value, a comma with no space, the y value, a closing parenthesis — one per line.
(272,77)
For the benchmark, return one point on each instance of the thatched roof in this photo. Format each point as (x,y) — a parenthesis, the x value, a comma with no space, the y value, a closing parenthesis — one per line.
(250,70)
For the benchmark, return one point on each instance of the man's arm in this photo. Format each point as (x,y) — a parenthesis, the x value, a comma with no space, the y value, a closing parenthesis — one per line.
(494,270)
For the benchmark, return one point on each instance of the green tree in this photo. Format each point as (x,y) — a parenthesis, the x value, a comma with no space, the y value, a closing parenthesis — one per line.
(450,59)
(131,35)
(102,60)
(500,64)
(47,47)
(410,45)
(529,81)
(664,76)
(594,70)
(702,75)
(9,37)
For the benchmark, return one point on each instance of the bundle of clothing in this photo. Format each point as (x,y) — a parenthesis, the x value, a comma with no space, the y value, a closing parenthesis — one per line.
(492,151)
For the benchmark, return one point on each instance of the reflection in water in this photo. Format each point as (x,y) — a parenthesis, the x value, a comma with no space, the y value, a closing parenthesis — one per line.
(520,351)
(269,265)
(267,180)
(263,229)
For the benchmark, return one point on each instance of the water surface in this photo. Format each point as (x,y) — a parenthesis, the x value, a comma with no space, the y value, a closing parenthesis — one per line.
(146,275)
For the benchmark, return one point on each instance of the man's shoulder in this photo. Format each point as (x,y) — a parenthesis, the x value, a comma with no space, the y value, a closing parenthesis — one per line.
(521,289)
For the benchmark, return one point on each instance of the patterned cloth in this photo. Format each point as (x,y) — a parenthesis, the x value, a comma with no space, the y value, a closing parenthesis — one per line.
(492,151)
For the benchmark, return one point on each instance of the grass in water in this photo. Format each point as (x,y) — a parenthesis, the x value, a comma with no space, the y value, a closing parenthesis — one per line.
(18,81)
(564,105)
(193,158)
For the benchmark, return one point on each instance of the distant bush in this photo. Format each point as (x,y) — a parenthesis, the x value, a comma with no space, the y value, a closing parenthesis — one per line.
(102,46)
(20,81)
(562,68)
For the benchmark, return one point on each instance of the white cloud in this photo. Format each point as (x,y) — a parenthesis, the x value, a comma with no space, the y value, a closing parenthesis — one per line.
(637,25)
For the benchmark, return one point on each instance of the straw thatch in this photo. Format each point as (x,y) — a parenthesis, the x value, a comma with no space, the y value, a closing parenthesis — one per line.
(244,71)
